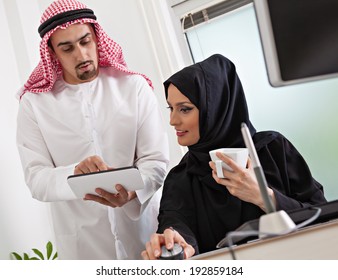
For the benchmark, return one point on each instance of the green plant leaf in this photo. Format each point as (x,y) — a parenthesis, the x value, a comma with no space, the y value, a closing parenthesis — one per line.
(55,256)
(49,248)
(38,252)
(16,256)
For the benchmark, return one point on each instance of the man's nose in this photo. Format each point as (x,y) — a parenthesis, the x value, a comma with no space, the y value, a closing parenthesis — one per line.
(80,53)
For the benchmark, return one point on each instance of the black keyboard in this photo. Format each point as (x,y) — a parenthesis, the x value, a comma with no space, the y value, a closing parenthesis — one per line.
(329,212)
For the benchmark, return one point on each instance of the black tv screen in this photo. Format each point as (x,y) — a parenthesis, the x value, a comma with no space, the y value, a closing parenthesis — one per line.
(299,39)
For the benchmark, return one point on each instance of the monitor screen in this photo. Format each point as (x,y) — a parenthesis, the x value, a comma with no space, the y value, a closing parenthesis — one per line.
(299,39)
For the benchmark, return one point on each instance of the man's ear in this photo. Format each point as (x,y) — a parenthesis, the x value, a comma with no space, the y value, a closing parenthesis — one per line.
(51,49)
(52,53)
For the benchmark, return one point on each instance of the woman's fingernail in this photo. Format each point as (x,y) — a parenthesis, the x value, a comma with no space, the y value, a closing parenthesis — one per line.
(156,253)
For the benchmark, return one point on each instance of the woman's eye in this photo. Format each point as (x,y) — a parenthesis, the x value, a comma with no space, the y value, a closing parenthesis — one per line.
(186,110)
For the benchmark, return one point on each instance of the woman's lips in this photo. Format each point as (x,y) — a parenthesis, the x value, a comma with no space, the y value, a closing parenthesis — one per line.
(181,133)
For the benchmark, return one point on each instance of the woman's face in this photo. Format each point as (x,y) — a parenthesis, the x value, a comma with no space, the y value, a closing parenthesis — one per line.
(184,117)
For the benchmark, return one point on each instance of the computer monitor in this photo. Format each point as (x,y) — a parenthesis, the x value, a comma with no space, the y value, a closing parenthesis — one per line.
(299,39)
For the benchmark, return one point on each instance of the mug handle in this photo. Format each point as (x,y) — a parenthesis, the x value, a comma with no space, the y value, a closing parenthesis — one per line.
(219,168)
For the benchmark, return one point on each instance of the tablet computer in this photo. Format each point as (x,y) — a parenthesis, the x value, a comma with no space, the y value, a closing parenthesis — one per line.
(129,177)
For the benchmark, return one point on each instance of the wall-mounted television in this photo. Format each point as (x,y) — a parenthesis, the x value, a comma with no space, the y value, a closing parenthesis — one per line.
(299,39)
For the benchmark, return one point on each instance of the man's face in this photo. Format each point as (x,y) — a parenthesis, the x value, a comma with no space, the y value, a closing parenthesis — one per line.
(76,50)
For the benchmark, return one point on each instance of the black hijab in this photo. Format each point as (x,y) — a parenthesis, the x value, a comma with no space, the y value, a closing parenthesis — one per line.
(215,89)
(192,202)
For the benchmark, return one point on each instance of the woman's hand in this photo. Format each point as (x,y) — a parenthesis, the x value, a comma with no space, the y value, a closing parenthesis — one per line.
(168,238)
(241,182)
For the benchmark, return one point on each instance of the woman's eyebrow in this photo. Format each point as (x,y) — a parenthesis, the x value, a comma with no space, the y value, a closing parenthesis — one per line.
(181,103)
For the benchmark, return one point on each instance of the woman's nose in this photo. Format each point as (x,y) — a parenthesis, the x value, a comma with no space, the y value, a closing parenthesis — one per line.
(174,120)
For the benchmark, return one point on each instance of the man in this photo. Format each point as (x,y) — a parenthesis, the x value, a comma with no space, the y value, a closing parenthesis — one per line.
(83,110)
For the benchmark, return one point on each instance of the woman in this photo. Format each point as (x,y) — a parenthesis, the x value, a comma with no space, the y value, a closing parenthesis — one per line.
(198,209)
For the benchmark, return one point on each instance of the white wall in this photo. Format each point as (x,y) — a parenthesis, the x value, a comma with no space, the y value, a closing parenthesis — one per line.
(137,26)
(23,221)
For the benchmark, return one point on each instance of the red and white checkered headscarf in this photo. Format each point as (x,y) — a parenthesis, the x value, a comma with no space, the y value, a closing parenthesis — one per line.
(49,69)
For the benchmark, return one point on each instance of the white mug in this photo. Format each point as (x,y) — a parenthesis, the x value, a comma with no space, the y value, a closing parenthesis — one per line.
(239,155)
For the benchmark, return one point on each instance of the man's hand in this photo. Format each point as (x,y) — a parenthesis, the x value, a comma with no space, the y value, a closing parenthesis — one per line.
(112,199)
(90,164)
(95,164)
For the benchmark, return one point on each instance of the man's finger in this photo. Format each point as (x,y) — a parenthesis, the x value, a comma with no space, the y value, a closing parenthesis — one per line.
(122,192)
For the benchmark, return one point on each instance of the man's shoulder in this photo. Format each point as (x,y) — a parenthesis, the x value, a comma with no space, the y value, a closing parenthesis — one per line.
(59,86)
(111,72)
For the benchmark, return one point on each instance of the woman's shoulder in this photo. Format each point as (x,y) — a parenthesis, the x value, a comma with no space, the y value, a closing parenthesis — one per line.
(263,138)
(273,141)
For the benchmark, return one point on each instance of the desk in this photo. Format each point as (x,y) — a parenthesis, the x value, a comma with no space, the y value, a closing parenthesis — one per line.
(318,242)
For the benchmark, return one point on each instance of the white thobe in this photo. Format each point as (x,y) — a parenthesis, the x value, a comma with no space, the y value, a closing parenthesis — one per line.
(116,116)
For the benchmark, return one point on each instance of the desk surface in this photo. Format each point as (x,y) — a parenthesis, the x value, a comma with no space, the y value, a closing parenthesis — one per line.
(318,242)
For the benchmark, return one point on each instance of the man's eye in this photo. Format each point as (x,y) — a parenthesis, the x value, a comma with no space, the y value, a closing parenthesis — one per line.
(85,41)
(67,50)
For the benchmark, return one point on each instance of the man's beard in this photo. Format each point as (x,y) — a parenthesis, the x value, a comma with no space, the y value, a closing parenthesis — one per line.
(87,75)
